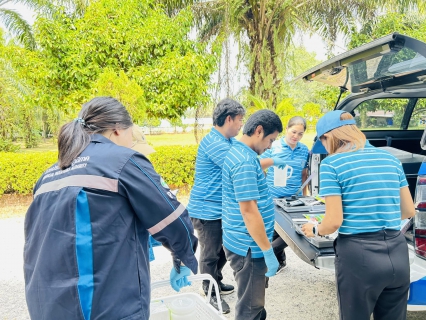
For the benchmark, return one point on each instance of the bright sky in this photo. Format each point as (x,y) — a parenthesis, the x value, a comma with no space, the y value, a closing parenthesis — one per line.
(316,44)
(23,10)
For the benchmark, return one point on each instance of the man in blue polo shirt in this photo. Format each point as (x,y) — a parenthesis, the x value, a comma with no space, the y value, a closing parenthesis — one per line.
(205,202)
(248,214)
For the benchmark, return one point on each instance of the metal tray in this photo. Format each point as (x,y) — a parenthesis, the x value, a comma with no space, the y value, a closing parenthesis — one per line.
(319,242)
(311,205)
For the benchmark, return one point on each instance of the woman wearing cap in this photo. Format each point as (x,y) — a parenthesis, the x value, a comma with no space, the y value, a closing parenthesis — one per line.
(139,142)
(366,196)
(295,154)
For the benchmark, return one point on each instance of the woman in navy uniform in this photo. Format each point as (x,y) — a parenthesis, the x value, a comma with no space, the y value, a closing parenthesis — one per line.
(86,231)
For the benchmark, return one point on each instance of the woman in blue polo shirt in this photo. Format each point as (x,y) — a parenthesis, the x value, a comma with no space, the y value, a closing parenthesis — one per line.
(295,154)
(366,196)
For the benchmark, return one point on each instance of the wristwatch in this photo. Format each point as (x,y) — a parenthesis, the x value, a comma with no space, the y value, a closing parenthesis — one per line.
(315,231)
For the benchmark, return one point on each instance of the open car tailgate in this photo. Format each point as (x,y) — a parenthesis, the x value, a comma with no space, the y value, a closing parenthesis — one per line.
(321,258)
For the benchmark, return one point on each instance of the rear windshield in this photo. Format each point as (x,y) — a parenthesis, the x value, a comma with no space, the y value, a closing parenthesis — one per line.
(390,64)
(387,114)
(380,114)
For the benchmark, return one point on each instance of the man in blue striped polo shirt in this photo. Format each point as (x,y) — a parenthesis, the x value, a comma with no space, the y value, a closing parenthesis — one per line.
(205,202)
(248,214)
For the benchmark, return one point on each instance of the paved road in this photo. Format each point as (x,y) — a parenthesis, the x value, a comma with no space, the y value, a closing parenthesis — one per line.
(299,292)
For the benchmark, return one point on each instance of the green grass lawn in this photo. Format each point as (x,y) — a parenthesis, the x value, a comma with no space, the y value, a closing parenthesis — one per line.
(157,140)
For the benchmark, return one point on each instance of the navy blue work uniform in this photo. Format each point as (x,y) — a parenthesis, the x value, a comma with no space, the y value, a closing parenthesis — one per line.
(86,235)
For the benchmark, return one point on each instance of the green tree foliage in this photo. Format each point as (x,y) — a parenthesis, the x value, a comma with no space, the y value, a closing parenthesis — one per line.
(266,28)
(304,93)
(411,24)
(21,72)
(124,89)
(311,112)
(124,42)
(298,98)
(286,110)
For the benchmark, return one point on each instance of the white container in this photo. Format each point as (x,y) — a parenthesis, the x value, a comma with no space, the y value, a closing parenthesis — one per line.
(281,175)
(159,311)
(203,309)
(183,308)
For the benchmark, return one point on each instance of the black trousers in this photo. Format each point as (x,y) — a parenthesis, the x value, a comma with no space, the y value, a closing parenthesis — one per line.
(372,275)
(212,256)
(250,276)
(278,245)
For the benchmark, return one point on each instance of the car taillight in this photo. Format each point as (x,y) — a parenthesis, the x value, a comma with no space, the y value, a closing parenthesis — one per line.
(420,242)
(420,230)
(421,206)
(420,219)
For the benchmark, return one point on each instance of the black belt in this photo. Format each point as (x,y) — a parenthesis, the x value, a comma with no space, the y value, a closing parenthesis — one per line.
(377,235)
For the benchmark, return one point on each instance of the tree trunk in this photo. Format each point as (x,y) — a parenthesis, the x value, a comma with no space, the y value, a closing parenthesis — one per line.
(264,77)
(197,131)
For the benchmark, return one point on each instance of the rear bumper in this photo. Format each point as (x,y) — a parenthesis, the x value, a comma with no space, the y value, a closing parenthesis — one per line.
(417,295)
(319,259)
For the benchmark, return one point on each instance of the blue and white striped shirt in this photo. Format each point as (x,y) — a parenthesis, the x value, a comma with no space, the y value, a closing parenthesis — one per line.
(296,158)
(369,181)
(205,201)
(244,180)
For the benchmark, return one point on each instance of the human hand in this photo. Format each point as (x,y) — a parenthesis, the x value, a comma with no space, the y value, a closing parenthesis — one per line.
(307,230)
(278,162)
(271,262)
(179,280)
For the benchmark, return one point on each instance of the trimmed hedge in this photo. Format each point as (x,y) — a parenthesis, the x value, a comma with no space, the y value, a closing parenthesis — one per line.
(176,164)
(20,171)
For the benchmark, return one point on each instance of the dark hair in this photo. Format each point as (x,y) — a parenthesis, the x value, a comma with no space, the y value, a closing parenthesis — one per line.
(295,121)
(227,107)
(97,116)
(269,121)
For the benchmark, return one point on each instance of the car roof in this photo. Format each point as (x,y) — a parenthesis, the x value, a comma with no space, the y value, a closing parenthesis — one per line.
(395,60)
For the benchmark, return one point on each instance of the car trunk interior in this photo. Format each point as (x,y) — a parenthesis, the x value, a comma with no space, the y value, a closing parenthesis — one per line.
(403,140)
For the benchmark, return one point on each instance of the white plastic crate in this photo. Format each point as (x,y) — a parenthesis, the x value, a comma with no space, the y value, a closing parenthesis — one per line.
(204,310)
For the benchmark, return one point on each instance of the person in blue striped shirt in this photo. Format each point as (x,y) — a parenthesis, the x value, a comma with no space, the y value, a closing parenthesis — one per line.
(205,201)
(248,214)
(296,155)
(366,196)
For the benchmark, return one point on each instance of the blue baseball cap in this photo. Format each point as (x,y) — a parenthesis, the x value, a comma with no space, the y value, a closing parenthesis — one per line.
(331,120)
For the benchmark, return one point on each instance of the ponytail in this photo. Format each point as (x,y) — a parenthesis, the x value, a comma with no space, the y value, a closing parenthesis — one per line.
(72,140)
(97,116)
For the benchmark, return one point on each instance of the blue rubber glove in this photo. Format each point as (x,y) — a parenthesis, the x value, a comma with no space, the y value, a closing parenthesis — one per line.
(279,162)
(183,282)
(179,280)
(271,262)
